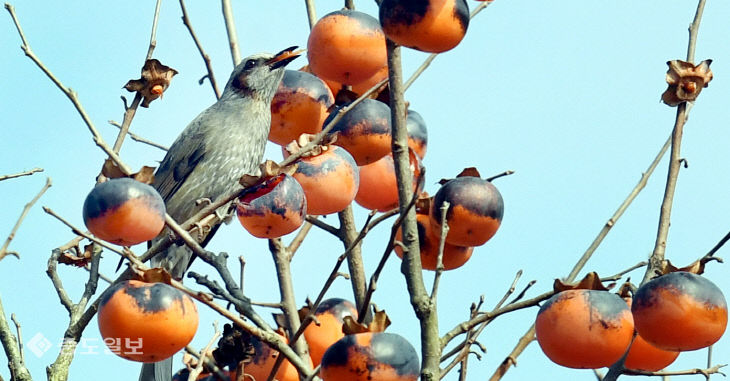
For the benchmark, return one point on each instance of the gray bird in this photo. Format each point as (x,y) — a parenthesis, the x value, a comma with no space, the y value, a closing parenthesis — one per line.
(220,145)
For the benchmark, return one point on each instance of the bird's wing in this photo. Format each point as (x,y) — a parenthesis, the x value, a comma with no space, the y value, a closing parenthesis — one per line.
(179,162)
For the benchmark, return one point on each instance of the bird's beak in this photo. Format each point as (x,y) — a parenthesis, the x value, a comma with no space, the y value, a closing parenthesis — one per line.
(284,57)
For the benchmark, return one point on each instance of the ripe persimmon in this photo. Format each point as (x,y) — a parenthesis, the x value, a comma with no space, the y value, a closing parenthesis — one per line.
(370,356)
(346,46)
(273,208)
(330,180)
(680,311)
(475,212)
(263,362)
(417,133)
(327,330)
(301,104)
(146,322)
(428,241)
(124,211)
(584,328)
(379,186)
(433,26)
(364,131)
(644,356)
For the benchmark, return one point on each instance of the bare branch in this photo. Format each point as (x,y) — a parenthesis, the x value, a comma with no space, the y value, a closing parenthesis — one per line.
(4,249)
(18,371)
(70,93)
(440,256)
(140,139)
(231,31)
(130,111)
(204,353)
(206,58)
(657,257)
(25,173)
(311,13)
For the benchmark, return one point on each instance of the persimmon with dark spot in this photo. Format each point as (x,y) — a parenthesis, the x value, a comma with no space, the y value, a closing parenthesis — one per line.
(584,328)
(475,211)
(330,180)
(680,311)
(379,186)
(361,87)
(146,322)
(273,208)
(327,329)
(417,133)
(124,211)
(433,26)
(364,131)
(301,104)
(262,363)
(428,242)
(346,46)
(370,356)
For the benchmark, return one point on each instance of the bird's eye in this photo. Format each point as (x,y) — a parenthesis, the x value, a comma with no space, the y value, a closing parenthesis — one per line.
(249,64)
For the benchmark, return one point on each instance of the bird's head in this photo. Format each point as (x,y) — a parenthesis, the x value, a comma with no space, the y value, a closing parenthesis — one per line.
(258,76)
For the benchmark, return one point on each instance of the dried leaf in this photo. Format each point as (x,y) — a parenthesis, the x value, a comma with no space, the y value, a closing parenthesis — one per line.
(111,170)
(686,81)
(380,322)
(696,267)
(268,170)
(145,175)
(154,275)
(469,171)
(70,258)
(298,145)
(590,282)
(626,290)
(155,80)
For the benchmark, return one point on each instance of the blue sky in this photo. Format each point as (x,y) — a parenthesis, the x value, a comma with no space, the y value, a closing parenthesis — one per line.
(564,93)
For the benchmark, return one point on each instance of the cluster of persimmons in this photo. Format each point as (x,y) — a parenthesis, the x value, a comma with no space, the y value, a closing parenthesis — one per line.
(347,56)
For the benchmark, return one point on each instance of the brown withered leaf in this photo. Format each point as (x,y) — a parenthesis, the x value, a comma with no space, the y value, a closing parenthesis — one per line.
(696,267)
(112,171)
(590,282)
(155,80)
(380,322)
(626,290)
(466,172)
(268,169)
(145,175)
(686,81)
(70,258)
(154,275)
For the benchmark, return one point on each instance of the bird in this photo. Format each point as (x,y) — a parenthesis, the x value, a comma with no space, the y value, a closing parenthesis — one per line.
(223,143)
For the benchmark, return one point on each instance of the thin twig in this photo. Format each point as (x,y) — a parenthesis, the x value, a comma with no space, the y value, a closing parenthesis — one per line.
(657,257)
(19,333)
(204,353)
(4,249)
(711,370)
(140,139)
(322,225)
(231,31)
(427,62)
(348,234)
(206,58)
(25,173)
(18,371)
(130,111)
(311,13)
(718,246)
(70,93)
(299,238)
(440,256)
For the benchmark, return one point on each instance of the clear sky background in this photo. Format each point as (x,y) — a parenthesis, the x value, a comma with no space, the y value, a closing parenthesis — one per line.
(564,93)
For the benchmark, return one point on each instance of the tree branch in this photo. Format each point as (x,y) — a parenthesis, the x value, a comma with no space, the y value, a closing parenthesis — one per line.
(206,58)
(4,249)
(231,31)
(25,173)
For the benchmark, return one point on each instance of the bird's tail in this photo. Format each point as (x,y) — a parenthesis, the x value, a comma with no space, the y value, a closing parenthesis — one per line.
(157,371)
